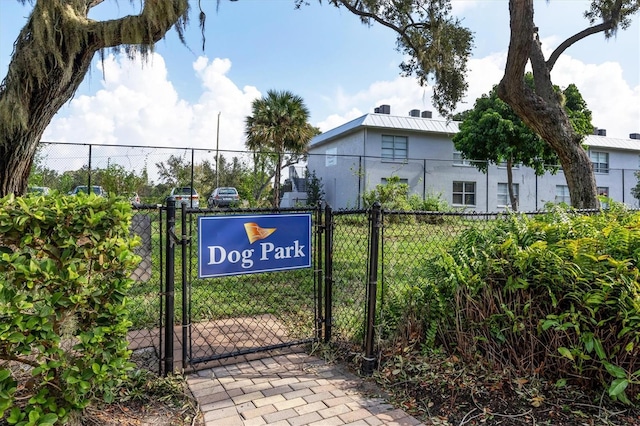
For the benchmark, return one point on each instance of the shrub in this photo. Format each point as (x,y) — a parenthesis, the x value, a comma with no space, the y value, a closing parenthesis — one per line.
(65,264)
(315,189)
(556,295)
(431,203)
(392,196)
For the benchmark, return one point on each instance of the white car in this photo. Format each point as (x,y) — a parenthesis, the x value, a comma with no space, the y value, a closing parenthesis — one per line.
(98,190)
(223,197)
(186,194)
(38,190)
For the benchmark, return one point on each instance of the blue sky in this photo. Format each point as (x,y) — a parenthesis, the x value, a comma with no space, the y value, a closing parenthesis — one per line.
(341,68)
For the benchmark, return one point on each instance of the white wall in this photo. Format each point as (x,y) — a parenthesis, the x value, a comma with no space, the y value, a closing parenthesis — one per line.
(430,170)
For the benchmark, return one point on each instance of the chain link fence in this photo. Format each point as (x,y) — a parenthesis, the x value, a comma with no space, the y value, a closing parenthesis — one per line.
(330,301)
(241,314)
(350,253)
(410,242)
(151,172)
(146,297)
(378,287)
(345,179)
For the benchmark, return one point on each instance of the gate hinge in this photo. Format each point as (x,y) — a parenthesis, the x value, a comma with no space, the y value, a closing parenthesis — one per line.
(174,237)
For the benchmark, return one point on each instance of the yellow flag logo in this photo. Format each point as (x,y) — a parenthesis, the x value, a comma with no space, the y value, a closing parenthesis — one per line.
(255,233)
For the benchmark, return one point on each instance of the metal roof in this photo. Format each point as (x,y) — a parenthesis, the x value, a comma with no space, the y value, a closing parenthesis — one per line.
(428,125)
(386,121)
(612,143)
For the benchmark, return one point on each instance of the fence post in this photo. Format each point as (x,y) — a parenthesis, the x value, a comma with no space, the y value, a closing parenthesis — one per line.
(169,287)
(319,275)
(328,273)
(191,183)
(372,287)
(185,293)
(359,180)
(89,191)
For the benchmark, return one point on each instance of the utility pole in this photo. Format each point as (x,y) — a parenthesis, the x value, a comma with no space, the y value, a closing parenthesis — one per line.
(218,152)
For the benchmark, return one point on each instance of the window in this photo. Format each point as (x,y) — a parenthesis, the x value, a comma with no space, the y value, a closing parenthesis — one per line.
(331,157)
(384,181)
(503,194)
(600,161)
(459,161)
(464,193)
(562,194)
(394,148)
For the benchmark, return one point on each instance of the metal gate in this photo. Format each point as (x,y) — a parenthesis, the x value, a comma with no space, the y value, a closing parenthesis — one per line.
(216,318)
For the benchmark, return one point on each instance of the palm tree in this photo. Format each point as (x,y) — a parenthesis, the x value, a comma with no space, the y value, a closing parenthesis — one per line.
(279,123)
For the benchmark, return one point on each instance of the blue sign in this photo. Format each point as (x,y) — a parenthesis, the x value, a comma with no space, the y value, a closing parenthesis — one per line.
(234,245)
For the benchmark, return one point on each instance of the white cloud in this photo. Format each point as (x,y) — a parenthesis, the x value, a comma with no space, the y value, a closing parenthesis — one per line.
(220,94)
(402,94)
(484,73)
(138,105)
(335,120)
(460,6)
(615,105)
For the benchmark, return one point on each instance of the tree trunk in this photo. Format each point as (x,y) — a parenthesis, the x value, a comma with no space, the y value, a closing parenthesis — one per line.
(20,136)
(276,183)
(541,109)
(52,54)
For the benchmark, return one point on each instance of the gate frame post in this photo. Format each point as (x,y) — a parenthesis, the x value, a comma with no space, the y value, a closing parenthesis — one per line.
(186,299)
(319,275)
(372,287)
(169,286)
(328,275)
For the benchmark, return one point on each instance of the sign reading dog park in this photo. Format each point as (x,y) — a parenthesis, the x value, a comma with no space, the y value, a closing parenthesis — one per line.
(234,245)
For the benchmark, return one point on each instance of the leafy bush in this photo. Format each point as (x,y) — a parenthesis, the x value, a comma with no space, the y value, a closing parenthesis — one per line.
(557,295)
(392,196)
(431,203)
(414,312)
(65,265)
(315,189)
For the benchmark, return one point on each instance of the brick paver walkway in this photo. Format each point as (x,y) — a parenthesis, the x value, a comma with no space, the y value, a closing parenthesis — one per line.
(289,389)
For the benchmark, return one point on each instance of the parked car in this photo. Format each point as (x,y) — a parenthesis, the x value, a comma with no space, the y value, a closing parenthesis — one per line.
(187,194)
(38,190)
(223,197)
(98,190)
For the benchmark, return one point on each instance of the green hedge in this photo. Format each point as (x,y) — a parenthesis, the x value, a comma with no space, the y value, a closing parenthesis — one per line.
(65,265)
(556,296)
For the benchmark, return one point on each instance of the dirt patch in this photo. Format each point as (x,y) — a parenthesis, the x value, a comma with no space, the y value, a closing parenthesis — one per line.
(148,400)
(441,390)
(135,413)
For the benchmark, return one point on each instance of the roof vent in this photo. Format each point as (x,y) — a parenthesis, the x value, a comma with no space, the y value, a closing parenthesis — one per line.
(426,114)
(383,109)
(602,132)
(414,113)
(634,135)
